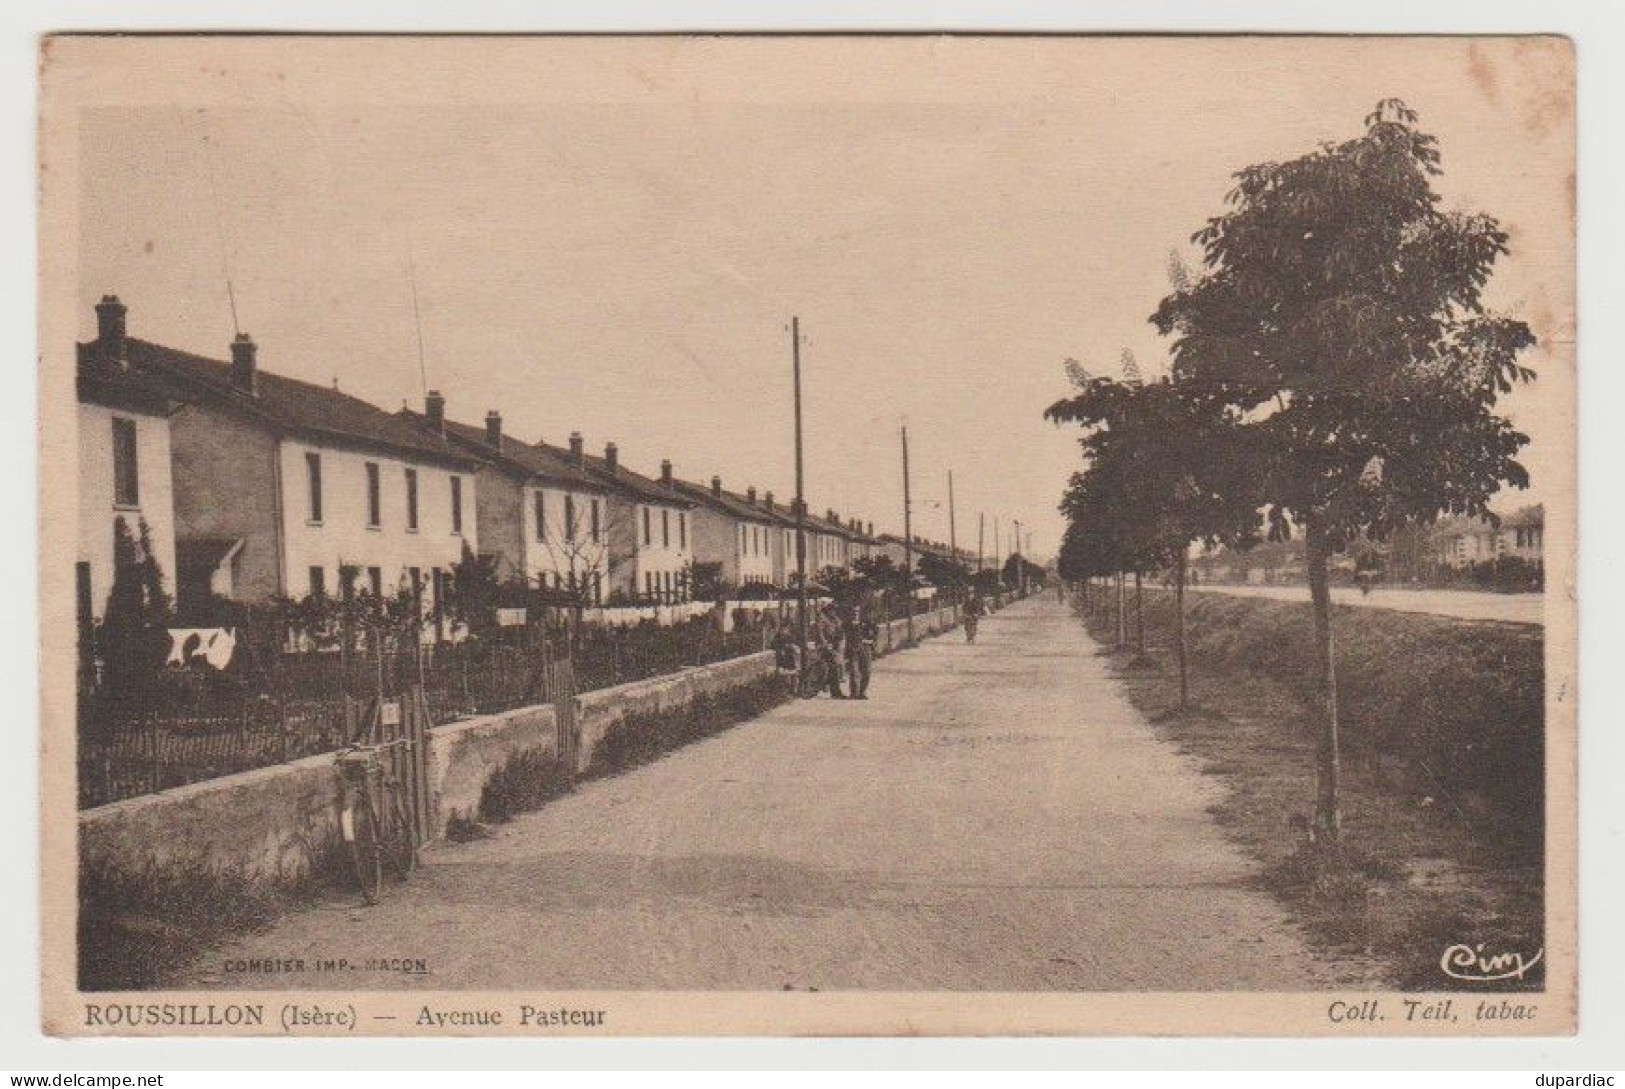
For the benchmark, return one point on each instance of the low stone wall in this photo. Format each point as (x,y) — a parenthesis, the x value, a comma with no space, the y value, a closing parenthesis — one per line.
(271,826)
(267,826)
(601,711)
(894,635)
(464,755)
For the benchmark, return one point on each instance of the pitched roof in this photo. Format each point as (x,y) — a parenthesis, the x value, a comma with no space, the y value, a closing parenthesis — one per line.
(1524,517)
(620,477)
(727,502)
(100,383)
(514,454)
(290,405)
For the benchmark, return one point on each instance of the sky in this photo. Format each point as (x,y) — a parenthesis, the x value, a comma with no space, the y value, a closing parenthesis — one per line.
(611,236)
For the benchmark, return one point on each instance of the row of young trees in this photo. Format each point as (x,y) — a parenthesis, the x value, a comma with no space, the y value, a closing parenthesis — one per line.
(1334,374)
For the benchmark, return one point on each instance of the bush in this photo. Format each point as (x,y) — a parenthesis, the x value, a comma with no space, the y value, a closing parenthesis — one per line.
(527,781)
(638,739)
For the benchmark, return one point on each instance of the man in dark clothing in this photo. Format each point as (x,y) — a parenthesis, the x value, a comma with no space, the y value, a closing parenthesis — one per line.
(860,651)
(831,649)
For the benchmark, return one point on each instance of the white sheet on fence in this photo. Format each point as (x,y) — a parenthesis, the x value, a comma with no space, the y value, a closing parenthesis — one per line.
(623,616)
(212,645)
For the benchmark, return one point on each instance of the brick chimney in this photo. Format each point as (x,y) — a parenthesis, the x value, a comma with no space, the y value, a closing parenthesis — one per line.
(244,370)
(577,450)
(110,329)
(871,529)
(716,486)
(434,410)
(612,456)
(750,496)
(493,429)
(769,500)
(665,472)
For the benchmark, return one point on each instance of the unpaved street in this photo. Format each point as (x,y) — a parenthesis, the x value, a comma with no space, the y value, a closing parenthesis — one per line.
(995,817)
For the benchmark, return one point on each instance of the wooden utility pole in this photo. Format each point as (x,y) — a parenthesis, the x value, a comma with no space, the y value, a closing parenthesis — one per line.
(953,539)
(908,541)
(801,499)
(981,532)
(1021,565)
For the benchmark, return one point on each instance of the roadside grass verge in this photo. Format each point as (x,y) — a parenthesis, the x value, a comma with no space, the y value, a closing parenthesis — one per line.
(1443,770)
(138,931)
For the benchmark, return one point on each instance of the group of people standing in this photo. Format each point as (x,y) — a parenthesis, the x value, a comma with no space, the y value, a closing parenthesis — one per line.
(840,653)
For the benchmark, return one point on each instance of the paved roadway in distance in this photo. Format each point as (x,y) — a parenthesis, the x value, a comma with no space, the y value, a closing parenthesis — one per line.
(1461,604)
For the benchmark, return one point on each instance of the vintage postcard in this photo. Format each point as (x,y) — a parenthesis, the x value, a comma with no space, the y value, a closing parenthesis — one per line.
(808,535)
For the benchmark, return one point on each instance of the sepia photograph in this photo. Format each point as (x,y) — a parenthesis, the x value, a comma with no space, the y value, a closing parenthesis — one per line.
(924,534)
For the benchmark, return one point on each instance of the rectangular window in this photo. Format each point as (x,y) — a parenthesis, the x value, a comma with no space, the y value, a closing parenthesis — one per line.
(348,575)
(318,582)
(665,528)
(597,582)
(412,500)
(456,504)
(570,518)
(648,537)
(126,472)
(85,604)
(375,515)
(597,523)
(375,581)
(541,516)
(313,482)
(682,530)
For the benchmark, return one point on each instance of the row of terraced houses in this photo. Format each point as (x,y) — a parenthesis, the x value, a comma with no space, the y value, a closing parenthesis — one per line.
(250,485)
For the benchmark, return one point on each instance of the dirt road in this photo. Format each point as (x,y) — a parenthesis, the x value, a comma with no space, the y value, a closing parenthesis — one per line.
(995,817)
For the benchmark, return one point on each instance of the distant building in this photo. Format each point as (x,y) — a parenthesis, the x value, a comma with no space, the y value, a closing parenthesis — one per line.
(1463,542)
(286,488)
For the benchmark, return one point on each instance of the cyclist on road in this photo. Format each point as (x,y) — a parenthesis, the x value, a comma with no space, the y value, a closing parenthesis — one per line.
(975,608)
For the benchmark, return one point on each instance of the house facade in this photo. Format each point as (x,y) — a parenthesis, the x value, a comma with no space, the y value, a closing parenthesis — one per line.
(124,465)
(733,532)
(542,519)
(646,525)
(1463,542)
(283,488)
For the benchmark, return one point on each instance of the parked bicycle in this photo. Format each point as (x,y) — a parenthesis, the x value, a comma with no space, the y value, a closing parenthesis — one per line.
(374,820)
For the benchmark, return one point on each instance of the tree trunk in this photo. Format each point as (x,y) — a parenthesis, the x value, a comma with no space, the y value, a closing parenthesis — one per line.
(1179,630)
(1317,550)
(1139,616)
(1122,612)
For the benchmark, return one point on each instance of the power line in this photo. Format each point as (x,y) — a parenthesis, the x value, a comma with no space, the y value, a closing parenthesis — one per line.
(417,315)
(219,221)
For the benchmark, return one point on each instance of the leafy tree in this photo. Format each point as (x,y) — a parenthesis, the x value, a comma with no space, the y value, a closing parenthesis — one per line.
(1168,467)
(708,584)
(475,592)
(1340,308)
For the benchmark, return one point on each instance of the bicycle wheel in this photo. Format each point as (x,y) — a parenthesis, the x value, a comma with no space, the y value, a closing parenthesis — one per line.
(400,841)
(813,679)
(364,850)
